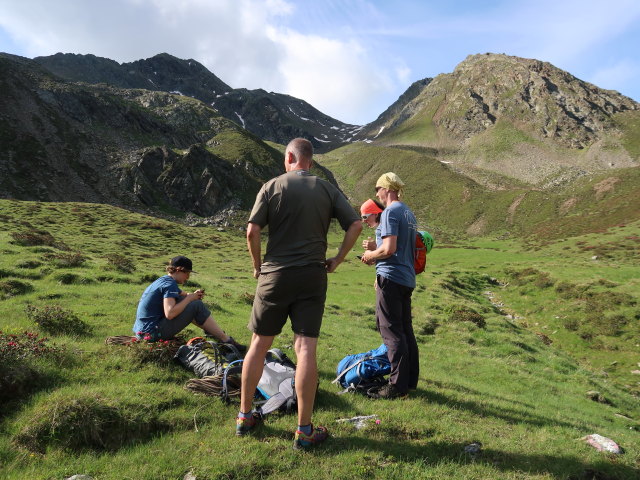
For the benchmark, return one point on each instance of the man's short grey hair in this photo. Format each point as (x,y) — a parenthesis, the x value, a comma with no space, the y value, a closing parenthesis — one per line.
(302,149)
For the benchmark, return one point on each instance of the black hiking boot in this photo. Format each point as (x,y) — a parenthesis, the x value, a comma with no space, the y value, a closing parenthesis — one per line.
(388,391)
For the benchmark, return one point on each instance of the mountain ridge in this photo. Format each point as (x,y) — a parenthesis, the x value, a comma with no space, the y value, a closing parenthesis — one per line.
(63,141)
(271,116)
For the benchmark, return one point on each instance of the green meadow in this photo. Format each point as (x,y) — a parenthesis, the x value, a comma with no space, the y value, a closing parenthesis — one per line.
(513,336)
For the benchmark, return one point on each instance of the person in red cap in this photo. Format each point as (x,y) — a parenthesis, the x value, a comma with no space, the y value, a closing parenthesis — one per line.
(164,310)
(370,212)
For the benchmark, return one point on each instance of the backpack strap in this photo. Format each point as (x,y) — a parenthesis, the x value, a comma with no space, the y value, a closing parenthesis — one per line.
(233,367)
(286,395)
(344,372)
(233,349)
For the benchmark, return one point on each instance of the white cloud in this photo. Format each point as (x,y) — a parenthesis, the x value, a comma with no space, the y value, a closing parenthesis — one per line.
(334,74)
(241,41)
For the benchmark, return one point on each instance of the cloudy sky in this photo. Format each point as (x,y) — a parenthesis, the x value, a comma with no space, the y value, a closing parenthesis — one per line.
(349,58)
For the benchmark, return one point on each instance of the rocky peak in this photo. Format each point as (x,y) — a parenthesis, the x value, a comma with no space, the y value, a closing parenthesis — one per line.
(488,87)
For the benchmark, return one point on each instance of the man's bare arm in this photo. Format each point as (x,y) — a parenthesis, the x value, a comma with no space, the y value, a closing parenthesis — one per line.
(350,237)
(253,244)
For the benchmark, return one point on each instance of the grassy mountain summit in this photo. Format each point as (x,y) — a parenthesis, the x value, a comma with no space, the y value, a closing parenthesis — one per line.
(518,117)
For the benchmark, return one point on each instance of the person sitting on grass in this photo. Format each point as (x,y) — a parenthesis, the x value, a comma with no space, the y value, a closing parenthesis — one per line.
(164,310)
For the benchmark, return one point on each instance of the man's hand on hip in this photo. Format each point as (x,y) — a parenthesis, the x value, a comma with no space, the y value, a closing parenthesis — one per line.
(332,264)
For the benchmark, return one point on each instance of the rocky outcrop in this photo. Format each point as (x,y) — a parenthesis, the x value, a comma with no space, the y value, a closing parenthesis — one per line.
(537,97)
(550,102)
(197,181)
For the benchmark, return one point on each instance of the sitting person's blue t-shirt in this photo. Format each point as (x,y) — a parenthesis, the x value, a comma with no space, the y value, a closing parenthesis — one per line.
(151,305)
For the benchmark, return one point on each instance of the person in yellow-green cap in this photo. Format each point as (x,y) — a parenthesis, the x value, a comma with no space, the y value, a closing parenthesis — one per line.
(395,281)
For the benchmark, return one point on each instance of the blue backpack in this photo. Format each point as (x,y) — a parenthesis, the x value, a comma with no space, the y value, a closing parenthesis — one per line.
(362,371)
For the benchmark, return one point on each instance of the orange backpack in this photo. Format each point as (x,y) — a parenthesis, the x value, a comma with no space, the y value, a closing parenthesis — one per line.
(424,243)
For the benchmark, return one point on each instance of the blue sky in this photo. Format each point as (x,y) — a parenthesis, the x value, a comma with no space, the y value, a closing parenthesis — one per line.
(350,59)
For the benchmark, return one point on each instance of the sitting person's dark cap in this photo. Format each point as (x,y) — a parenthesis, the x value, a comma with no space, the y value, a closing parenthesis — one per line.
(183,262)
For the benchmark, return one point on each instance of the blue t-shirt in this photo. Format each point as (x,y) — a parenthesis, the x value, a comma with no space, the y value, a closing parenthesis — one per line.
(151,305)
(398,220)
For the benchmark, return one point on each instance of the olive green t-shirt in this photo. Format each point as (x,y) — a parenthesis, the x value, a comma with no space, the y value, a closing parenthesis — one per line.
(298,208)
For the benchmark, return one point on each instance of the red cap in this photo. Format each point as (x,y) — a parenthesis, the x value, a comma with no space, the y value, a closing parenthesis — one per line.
(370,207)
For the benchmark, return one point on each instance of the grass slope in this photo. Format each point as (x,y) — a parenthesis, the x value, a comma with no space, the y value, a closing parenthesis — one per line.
(484,313)
(452,204)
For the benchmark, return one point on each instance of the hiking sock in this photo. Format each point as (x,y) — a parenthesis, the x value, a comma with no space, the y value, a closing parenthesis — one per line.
(306,429)
(245,416)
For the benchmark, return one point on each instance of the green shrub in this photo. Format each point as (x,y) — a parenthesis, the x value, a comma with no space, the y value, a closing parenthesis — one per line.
(20,372)
(571,324)
(10,288)
(542,280)
(160,352)
(148,278)
(247,297)
(67,278)
(428,328)
(113,279)
(56,320)
(37,238)
(609,325)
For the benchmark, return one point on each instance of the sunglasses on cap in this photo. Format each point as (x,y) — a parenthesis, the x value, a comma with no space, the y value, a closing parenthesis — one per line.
(364,217)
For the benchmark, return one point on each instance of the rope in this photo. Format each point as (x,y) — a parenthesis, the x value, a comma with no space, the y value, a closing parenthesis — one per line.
(212,385)
(119,340)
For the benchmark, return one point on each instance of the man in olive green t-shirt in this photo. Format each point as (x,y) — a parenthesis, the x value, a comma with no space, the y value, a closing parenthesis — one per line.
(292,278)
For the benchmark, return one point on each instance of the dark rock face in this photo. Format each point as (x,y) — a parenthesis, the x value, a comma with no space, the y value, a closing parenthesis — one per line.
(270,116)
(198,180)
(135,148)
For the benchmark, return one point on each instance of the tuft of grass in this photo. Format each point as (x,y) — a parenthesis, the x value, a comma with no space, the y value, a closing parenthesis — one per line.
(120,263)
(465,314)
(56,320)
(66,259)
(10,288)
(160,353)
(37,238)
(85,421)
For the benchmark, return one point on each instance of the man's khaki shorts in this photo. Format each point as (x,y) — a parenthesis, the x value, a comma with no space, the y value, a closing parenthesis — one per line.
(298,293)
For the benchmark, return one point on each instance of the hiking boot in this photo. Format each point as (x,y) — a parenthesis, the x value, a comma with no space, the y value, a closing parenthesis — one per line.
(241,348)
(245,425)
(388,391)
(303,442)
